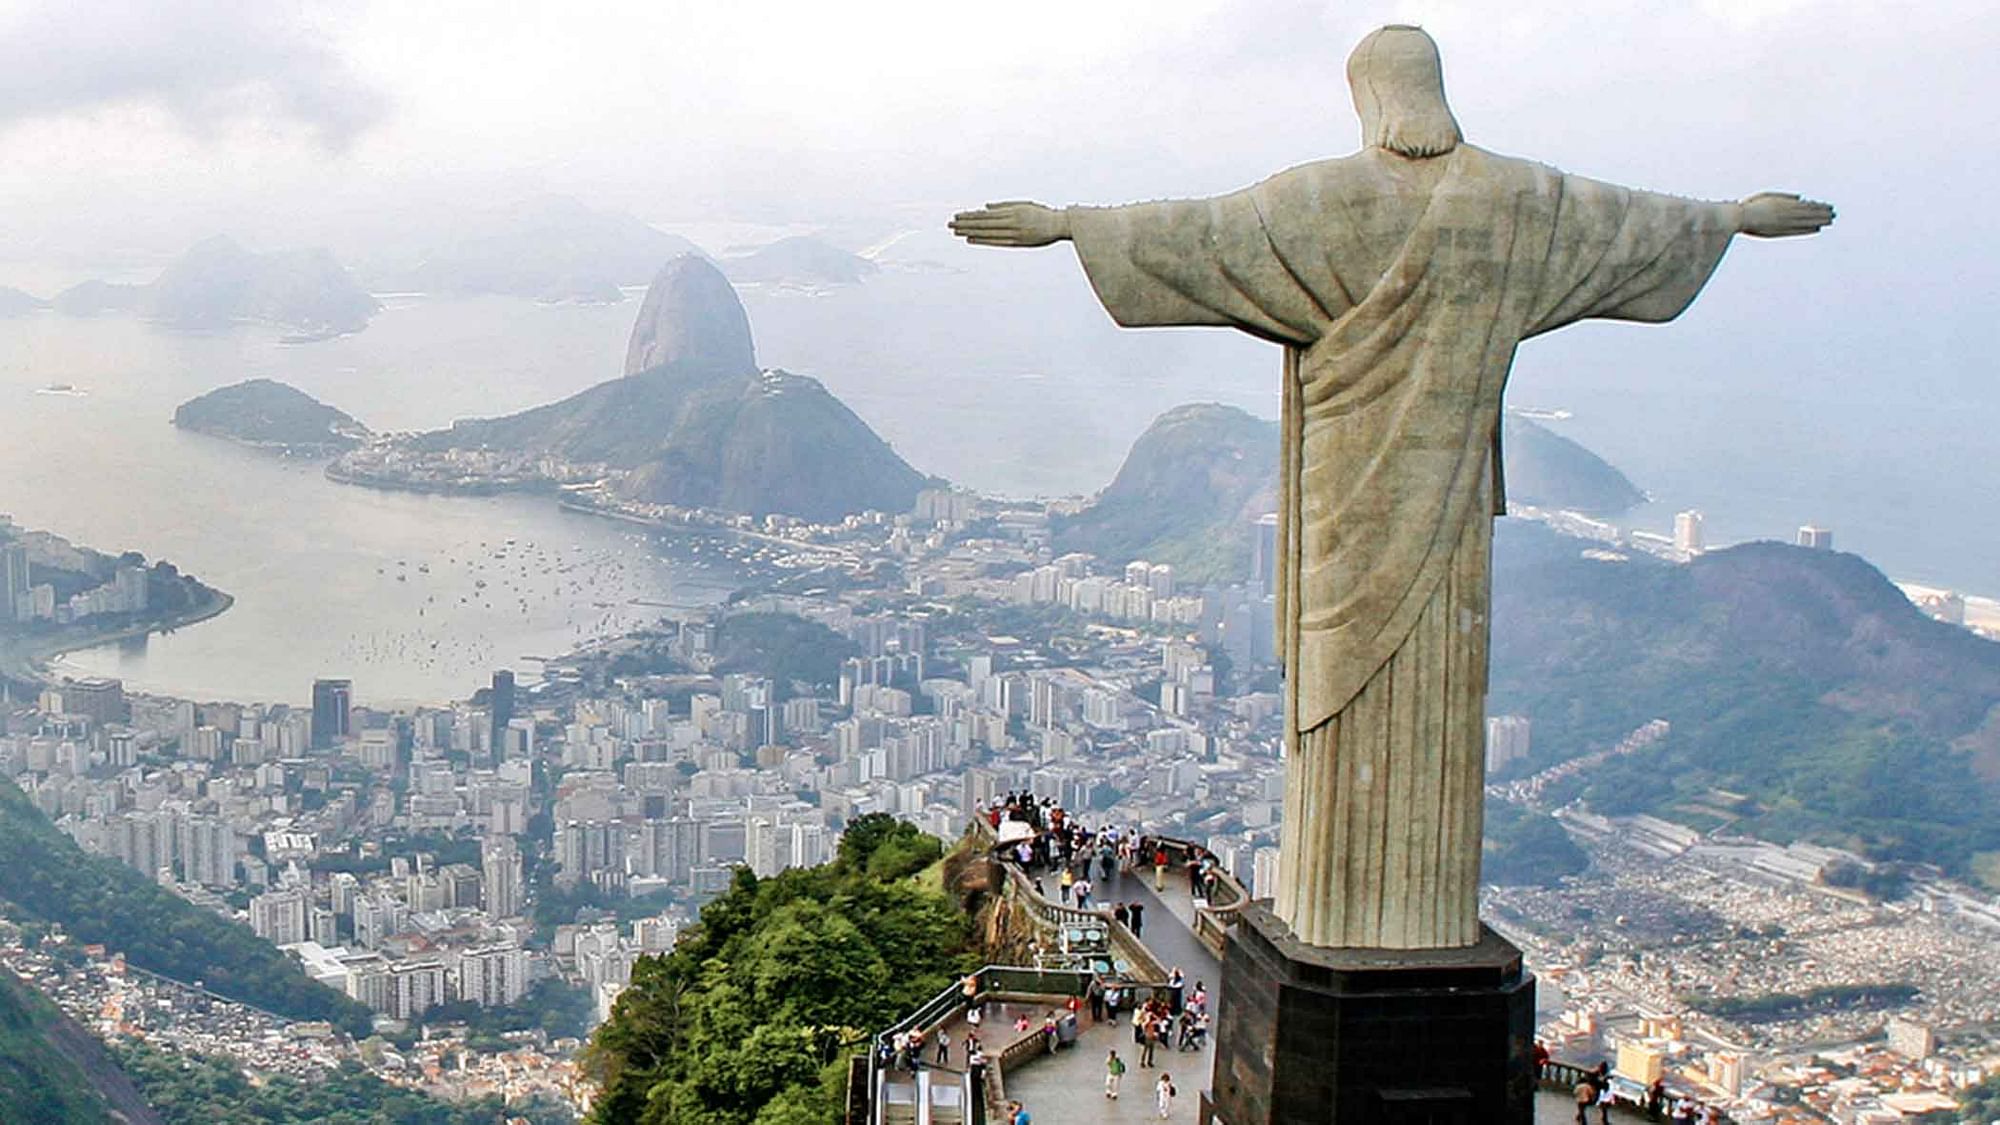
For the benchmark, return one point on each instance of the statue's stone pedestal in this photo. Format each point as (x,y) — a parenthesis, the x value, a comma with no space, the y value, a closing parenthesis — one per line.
(1370,1036)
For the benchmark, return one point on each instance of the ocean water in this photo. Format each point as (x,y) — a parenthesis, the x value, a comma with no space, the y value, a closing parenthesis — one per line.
(994,369)
(417,598)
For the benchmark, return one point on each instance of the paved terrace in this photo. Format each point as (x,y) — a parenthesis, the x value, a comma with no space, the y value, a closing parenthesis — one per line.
(1067,1088)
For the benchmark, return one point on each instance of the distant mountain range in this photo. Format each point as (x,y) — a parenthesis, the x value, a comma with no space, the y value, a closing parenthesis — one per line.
(263,412)
(15,302)
(1201,474)
(698,424)
(551,248)
(217,283)
(800,260)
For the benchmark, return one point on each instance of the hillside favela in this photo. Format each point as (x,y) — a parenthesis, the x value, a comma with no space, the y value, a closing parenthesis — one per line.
(704,565)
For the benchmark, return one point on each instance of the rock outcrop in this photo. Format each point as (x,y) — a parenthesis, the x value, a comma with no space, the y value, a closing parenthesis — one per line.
(691,318)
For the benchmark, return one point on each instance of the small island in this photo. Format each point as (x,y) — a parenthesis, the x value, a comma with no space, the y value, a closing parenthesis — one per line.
(271,415)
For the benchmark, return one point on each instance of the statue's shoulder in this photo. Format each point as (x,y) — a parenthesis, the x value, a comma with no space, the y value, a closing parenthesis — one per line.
(1498,170)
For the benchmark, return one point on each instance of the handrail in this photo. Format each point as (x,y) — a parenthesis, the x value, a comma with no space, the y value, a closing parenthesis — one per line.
(1564,1076)
(990,980)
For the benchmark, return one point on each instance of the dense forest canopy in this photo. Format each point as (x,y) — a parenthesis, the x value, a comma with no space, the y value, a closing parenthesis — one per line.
(750,1019)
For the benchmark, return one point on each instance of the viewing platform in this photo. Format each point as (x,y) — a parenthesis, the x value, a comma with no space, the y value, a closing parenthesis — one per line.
(1066,1085)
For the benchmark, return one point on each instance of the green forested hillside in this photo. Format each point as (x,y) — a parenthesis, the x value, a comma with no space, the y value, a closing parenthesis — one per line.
(751,1017)
(1801,680)
(52,1072)
(1187,494)
(45,876)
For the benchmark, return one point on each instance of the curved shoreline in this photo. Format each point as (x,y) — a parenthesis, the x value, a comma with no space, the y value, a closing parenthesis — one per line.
(29,661)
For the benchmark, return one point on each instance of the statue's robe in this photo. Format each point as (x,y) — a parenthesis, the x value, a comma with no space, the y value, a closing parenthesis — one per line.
(1400,289)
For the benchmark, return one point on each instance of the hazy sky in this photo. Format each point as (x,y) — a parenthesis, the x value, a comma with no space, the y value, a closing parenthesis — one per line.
(139,125)
(119,115)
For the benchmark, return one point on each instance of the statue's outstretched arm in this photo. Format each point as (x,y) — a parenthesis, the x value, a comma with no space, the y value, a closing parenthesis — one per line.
(1777,214)
(1015,222)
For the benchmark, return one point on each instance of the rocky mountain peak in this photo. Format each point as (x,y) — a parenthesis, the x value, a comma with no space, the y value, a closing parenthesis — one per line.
(691,317)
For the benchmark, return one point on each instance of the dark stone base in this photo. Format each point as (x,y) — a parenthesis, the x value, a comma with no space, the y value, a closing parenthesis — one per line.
(1370,1036)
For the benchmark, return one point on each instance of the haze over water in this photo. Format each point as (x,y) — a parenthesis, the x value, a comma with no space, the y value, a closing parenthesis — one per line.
(1004,376)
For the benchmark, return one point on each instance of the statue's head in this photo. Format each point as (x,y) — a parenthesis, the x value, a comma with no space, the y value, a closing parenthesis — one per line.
(1398,87)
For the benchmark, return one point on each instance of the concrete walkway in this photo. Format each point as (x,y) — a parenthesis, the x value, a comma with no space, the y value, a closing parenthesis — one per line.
(1068,1086)
(1168,926)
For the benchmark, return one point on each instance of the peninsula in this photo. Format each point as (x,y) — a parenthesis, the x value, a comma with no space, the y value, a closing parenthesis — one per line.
(59,598)
(694,424)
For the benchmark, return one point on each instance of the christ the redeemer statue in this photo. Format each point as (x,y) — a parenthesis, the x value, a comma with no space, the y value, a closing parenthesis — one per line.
(1399,280)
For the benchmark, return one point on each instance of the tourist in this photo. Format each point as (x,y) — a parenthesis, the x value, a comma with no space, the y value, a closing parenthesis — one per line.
(1067,881)
(1541,1058)
(1122,914)
(1153,1032)
(943,1047)
(1095,997)
(1050,1035)
(1114,1070)
(975,1068)
(973,1016)
(1164,1091)
(1082,890)
(1656,1094)
(1159,869)
(1605,1100)
(1199,1001)
(1586,1096)
(1683,1111)
(1178,983)
(1136,913)
(1017,1114)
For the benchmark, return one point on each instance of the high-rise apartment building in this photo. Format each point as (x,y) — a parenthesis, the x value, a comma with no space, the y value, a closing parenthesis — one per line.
(333,706)
(502,705)
(1264,554)
(283,916)
(501,879)
(1687,533)
(493,976)
(1506,740)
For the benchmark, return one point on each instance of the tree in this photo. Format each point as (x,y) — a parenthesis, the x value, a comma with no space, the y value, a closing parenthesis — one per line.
(746,1021)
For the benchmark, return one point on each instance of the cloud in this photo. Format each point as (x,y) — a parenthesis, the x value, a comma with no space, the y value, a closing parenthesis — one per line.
(208,63)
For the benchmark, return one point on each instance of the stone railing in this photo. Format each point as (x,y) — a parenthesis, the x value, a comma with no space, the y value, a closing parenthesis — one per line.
(1213,916)
(1564,1077)
(1052,918)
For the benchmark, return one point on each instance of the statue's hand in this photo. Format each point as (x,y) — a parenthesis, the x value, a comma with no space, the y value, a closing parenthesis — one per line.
(1013,223)
(1777,214)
